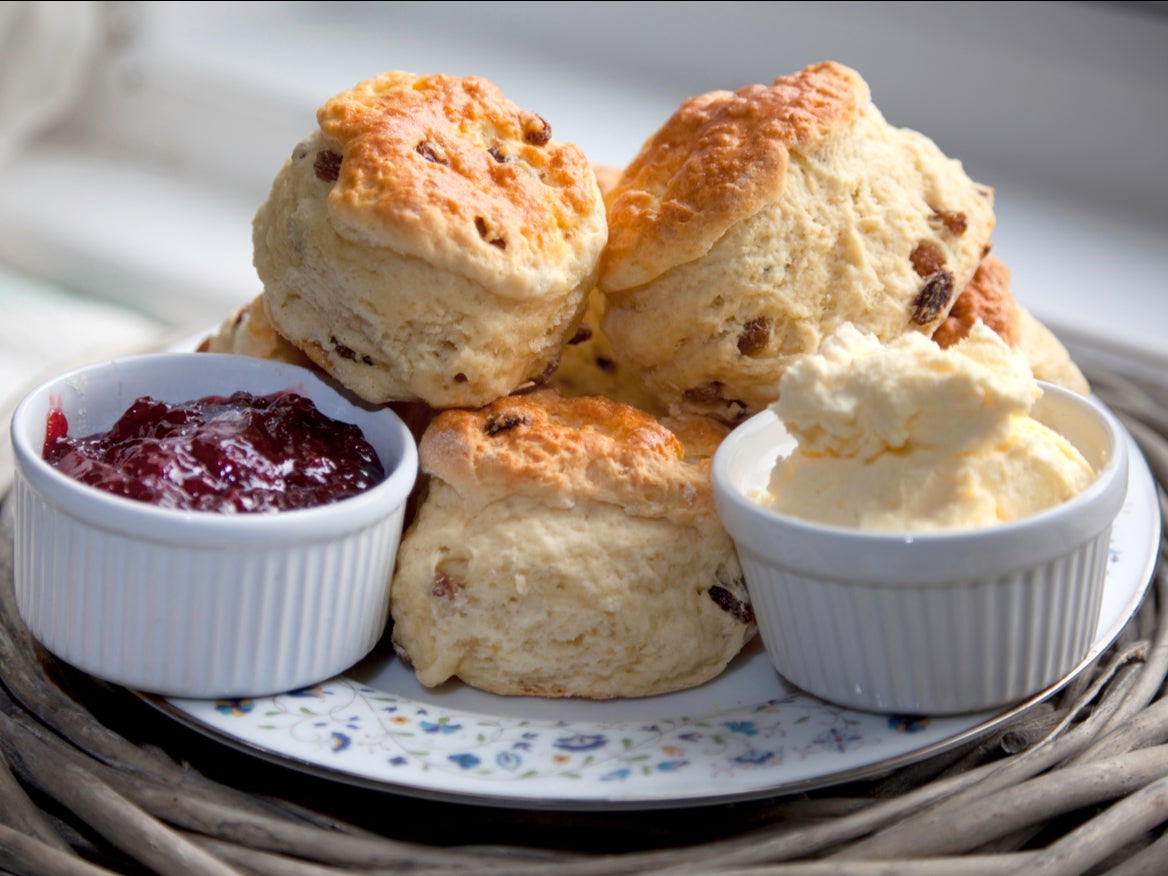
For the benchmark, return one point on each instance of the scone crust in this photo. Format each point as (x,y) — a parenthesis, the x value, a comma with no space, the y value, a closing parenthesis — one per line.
(718,159)
(564,450)
(986,297)
(446,169)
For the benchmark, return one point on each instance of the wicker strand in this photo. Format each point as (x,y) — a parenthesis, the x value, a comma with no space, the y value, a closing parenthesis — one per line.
(18,812)
(101,807)
(1148,861)
(24,855)
(1124,822)
(962,829)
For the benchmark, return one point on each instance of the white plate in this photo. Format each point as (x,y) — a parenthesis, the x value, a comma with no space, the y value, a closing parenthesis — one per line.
(745,735)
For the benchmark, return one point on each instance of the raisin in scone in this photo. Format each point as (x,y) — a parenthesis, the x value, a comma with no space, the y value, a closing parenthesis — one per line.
(989,298)
(753,223)
(430,241)
(568,547)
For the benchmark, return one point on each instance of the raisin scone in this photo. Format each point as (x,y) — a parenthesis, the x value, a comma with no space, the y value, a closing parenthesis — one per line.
(989,298)
(430,241)
(587,366)
(247,332)
(753,223)
(568,547)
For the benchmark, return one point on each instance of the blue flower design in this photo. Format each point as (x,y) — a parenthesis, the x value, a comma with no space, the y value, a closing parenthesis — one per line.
(582,742)
(746,728)
(508,760)
(234,706)
(757,758)
(616,775)
(466,761)
(443,726)
(672,766)
(339,742)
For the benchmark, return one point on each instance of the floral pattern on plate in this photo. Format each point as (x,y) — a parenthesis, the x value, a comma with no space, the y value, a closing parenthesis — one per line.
(343,716)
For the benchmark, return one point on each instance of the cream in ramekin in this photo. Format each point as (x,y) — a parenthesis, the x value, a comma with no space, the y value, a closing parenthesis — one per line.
(926,620)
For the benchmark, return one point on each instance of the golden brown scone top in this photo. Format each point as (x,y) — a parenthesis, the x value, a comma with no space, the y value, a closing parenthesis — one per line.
(986,297)
(563,450)
(447,169)
(716,160)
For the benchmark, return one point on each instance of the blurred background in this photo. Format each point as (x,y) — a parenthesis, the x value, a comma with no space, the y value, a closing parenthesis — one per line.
(137,139)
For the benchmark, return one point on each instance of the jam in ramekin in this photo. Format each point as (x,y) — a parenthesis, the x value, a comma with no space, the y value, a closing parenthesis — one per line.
(236,454)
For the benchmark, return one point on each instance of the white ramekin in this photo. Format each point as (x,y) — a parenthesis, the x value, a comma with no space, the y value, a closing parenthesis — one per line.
(200,604)
(933,623)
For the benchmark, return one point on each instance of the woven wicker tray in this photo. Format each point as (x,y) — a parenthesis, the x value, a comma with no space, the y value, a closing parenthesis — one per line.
(92,780)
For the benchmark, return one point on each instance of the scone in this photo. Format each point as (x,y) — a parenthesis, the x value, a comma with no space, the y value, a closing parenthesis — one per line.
(989,298)
(753,223)
(247,332)
(430,241)
(587,365)
(568,548)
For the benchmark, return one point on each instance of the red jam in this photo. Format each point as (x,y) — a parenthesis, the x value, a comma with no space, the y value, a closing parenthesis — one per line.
(238,454)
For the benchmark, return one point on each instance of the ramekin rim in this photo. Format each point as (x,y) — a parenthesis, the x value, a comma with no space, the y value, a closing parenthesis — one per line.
(727,491)
(122,514)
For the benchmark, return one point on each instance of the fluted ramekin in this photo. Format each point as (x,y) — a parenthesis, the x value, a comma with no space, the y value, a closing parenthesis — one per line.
(201,604)
(934,623)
